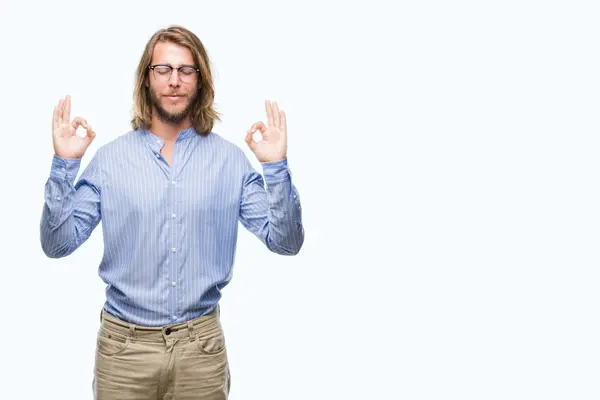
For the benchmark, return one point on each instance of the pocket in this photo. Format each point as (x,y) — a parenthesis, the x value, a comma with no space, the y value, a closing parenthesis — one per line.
(213,345)
(110,344)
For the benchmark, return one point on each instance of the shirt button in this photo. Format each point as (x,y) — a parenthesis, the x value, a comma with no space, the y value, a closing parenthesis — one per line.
(158,141)
(173,183)
(174,318)
(173,283)
(173,216)
(157,155)
(58,198)
(173,249)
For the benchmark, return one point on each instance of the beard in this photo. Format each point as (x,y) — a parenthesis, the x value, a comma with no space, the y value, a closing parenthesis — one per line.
(168,117)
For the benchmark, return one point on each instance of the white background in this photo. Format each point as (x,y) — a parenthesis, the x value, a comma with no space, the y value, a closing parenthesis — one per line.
(446,158)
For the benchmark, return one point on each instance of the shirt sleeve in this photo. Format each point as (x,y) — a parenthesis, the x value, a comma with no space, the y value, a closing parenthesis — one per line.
(71,212)
(273,213)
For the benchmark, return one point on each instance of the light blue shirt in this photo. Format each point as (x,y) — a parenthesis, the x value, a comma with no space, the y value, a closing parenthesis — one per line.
(170,231)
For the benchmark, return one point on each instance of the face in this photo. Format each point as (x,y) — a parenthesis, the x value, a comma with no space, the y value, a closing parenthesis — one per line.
(170,96)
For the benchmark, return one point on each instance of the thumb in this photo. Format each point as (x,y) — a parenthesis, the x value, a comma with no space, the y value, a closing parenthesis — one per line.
(91,135)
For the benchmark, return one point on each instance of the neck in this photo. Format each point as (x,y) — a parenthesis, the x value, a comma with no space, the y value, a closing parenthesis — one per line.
(167,131)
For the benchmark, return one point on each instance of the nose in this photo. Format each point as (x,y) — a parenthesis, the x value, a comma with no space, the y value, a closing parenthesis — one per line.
(174,78)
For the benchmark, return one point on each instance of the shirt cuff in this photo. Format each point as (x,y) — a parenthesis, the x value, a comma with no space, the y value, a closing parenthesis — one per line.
(65,168)
(276,171)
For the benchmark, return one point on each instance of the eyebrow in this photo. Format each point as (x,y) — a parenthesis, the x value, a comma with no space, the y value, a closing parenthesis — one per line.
(173,66)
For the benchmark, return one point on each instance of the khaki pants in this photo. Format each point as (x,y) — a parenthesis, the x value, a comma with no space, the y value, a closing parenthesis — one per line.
(180,361)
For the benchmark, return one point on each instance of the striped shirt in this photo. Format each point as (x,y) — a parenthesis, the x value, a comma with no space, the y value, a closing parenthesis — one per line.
(169,230)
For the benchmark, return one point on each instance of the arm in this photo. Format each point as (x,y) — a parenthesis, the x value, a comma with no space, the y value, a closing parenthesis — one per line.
(71,212)
(274,215)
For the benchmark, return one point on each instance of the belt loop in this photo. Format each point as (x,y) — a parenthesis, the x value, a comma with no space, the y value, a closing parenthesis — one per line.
(191,330)
(132,330)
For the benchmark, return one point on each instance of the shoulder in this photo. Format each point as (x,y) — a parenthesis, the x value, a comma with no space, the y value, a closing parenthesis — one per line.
(232,152)
(122,143)
(218,141)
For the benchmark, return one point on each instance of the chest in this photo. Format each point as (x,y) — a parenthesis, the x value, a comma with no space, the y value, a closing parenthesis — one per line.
(143,188)
(167,152)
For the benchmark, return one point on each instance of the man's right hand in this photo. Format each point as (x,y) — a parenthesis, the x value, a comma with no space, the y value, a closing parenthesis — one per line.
(66,143)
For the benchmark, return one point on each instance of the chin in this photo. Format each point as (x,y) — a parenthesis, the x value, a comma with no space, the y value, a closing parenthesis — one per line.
(174,107)
(168,104)
(175,110)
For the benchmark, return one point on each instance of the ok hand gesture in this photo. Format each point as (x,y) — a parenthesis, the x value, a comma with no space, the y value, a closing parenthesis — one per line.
(273,146)
(66,143)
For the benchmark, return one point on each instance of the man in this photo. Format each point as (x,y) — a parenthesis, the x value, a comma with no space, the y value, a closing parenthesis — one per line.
(169,194)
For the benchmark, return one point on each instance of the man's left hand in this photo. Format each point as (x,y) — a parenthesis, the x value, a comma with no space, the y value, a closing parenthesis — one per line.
(273,145)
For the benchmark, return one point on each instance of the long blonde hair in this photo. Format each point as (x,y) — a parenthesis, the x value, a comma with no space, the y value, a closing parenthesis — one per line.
(202,113)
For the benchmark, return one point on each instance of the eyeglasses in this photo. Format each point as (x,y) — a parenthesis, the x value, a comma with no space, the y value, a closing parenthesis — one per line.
(162,72)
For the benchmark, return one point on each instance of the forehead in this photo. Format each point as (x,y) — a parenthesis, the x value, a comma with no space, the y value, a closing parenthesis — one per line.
(171,53)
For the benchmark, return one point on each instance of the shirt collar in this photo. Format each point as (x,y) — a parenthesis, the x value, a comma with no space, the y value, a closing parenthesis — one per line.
(156,142)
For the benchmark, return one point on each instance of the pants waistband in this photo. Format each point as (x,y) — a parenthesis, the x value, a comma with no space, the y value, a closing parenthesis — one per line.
(201,326)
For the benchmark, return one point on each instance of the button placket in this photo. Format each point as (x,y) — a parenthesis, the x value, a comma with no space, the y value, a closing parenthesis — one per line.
(174,248)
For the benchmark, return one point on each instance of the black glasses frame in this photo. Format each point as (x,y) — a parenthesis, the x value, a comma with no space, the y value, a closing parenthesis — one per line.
(152,67)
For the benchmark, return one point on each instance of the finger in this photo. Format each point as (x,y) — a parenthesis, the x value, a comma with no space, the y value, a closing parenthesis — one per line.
(276,119)
(61,105)
(55,120)
(269,113)
(258,125)
(67,112)
(283,122)
(250,140)
(78,122)
(90,133)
